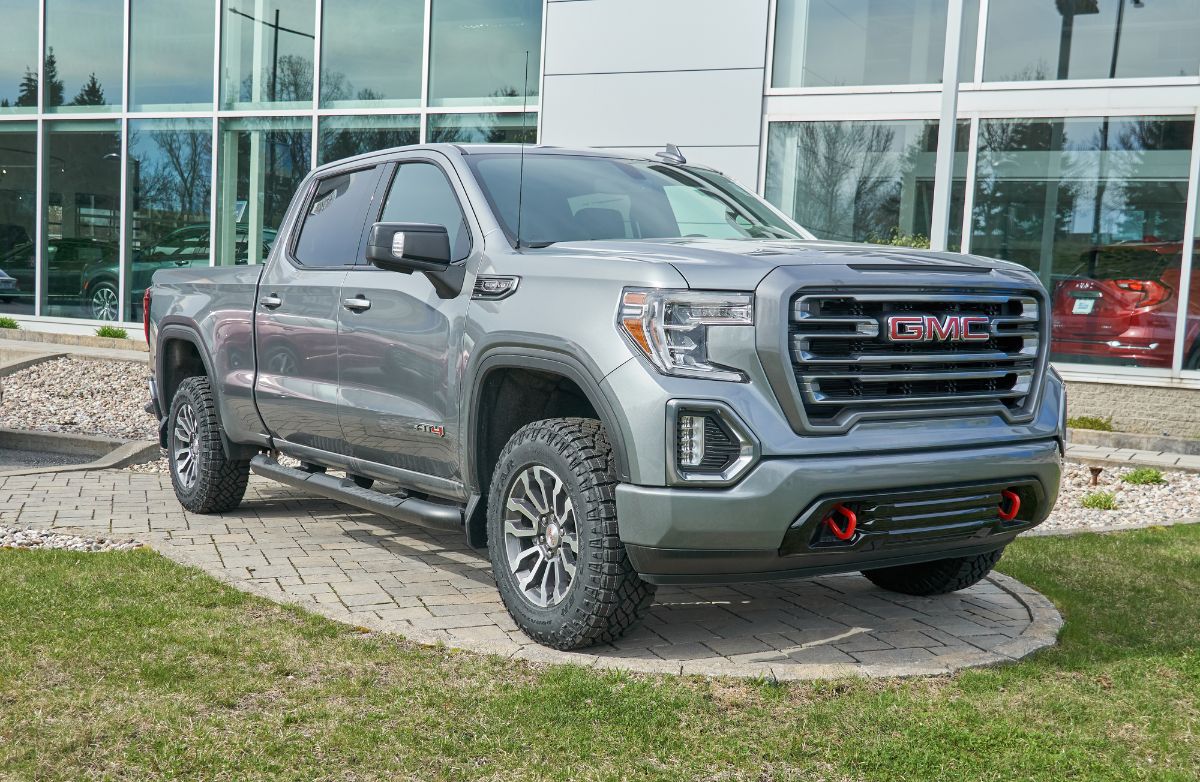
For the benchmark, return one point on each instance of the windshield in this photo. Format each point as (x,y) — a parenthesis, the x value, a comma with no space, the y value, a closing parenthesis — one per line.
(577,198)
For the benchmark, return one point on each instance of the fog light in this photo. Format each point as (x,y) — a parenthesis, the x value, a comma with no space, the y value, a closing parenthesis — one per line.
(691,440)
(708,445)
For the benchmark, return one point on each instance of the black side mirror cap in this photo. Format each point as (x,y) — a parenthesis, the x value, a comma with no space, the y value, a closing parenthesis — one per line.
(416,247)
(409,247)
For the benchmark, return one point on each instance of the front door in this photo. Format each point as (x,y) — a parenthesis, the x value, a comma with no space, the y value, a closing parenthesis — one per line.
(297,313)
(399,343)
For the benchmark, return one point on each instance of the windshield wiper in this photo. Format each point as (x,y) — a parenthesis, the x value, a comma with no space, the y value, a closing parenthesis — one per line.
(534,245)
(777,233)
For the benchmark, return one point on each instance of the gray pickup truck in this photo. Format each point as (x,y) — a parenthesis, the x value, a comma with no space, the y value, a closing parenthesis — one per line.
(614,373)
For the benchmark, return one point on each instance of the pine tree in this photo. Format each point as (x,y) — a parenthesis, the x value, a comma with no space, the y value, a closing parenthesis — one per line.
(28,94)
(92,94)
(54,85)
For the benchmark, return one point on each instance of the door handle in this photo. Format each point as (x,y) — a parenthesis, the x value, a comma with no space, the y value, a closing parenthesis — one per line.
(270,302)
(357,304)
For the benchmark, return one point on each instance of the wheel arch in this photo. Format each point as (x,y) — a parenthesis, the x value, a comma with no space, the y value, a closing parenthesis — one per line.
(181,354)
(562,386)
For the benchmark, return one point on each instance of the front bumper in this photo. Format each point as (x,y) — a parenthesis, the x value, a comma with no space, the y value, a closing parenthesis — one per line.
(684,535)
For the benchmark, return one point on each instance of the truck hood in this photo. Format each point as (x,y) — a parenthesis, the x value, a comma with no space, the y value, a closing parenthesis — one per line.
(740,264)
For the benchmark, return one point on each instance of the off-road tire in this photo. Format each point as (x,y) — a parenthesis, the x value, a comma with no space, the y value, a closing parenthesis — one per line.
(220,482)
(605,597)
(937,577)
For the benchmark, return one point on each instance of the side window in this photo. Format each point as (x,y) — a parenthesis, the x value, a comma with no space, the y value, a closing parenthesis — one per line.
(421,193)
(333,222)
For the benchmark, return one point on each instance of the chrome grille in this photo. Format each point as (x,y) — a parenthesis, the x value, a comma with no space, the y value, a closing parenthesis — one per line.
(846,367)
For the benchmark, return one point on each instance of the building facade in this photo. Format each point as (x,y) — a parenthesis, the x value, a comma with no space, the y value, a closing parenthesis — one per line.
(138,133)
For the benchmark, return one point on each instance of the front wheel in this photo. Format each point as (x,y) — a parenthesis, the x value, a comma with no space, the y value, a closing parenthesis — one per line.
(559,563)
(104,301)
(937,577)
(205,480)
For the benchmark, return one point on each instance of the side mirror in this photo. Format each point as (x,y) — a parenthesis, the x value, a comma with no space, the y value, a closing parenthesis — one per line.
(409,247)
(417,247)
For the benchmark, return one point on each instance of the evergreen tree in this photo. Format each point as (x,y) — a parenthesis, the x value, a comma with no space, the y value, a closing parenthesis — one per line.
(54,85)
(28,92)
(92,94)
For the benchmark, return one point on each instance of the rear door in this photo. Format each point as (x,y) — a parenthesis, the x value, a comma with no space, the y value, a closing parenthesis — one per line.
(297,313)
(400,344)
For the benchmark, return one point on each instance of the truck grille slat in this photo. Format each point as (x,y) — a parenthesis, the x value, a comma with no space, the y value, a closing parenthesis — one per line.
(846,366)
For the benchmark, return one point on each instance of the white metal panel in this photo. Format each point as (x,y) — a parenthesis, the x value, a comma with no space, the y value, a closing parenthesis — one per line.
(619,36)
(688,108)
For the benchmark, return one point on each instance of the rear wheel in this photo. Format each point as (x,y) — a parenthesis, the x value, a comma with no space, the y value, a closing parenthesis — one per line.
(559,564)
(205,480)
(937,577)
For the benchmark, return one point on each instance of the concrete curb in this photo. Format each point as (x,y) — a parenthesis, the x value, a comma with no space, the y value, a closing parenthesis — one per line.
(16,365)
(1042,632)
(107,453)
(1149,460)
(1134,442)
(1069,531)
(77,340)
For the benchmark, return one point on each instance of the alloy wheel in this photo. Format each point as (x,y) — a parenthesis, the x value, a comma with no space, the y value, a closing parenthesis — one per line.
(104,303)
(185,449)
(541,537)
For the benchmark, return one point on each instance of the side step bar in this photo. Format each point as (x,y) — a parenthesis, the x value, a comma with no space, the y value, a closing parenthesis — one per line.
(412,510)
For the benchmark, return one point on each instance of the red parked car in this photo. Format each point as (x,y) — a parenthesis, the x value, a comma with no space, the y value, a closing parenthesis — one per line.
(1121,304)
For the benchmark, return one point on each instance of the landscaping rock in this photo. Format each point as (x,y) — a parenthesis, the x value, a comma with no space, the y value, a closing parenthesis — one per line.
(29,539)
(80,395)
(1137,505)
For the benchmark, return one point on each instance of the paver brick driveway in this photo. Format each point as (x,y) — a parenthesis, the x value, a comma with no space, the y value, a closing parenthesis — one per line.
(430,587)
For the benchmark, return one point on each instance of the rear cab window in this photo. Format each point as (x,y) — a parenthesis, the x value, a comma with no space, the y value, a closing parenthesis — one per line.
(334,219)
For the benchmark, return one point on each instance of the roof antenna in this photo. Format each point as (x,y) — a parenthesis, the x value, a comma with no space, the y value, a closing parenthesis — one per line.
(672,155)
(521,175)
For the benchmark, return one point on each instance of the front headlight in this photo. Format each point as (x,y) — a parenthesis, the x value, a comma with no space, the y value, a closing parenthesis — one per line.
(670,327)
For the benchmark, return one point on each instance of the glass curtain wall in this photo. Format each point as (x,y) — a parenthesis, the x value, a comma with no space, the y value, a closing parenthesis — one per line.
(19,57)
(343,137)
(218,124)
(169,190)
(482,128)
(170,55)
(1097,207)
(82,198)
(262,162)
(1035,40)
(267,54)
(84,43)
(18,216)
(860,181)
(478,52)
(371,53)
(841,43)
(1190,350)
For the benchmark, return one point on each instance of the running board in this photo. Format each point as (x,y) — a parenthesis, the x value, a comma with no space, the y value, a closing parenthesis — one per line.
(410,509)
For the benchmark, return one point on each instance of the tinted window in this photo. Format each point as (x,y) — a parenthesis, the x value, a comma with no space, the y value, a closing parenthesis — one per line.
(580,198)
(421,193)
(333,222)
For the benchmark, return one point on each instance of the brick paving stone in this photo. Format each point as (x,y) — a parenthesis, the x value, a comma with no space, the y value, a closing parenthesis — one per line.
(359,568)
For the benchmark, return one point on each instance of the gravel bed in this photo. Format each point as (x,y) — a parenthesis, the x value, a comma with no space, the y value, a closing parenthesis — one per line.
(81,396)
(29,539)
(1137,505)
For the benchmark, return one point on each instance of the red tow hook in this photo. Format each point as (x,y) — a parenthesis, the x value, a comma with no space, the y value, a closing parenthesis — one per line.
(1014,505)
(846,531)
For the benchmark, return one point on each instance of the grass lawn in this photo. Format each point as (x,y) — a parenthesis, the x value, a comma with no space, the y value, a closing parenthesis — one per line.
(126,666)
